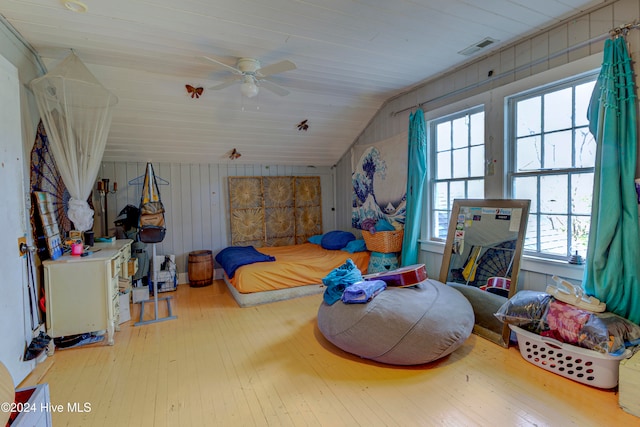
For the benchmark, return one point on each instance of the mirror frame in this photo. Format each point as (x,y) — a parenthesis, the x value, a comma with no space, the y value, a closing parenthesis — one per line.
(499,337)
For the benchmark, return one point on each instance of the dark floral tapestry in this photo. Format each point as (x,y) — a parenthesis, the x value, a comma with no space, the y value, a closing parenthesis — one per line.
(45,177)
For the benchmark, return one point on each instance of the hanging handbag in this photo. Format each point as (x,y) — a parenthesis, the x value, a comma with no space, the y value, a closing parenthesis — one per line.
(151,234)
(151,223)
(152,208)
(152,219)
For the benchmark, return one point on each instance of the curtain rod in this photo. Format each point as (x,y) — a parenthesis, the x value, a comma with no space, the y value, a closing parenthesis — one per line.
(616,32)
(25,43)
(503,74)
(624,29)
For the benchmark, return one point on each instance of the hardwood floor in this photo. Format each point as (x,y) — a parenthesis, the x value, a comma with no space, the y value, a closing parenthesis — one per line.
(221,365)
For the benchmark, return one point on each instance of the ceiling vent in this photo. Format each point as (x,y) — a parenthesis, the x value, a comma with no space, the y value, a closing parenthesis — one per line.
(476,47)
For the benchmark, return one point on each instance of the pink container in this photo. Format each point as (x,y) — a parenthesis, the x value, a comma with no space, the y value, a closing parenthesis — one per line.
(76,248)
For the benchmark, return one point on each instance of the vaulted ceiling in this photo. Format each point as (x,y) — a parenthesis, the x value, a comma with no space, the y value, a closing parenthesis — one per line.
(350,56)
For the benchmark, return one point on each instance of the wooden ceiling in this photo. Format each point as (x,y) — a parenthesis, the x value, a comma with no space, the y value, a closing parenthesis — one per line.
(351,57)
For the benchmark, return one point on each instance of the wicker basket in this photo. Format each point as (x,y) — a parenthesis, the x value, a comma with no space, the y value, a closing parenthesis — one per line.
(384,241)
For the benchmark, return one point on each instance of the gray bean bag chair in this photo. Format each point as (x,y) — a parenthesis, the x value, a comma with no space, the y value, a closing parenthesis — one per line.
(401,326)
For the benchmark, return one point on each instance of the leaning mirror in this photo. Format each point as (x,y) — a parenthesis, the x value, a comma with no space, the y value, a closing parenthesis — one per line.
(482,257)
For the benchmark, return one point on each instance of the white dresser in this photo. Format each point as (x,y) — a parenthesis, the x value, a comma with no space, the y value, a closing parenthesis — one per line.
(82,292)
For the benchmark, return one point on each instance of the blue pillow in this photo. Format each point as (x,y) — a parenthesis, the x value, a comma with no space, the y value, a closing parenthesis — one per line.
(336,240)
(317,239)
(357,245)
(384,225)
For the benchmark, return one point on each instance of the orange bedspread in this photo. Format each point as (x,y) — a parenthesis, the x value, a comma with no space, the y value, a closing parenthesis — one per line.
(296,265)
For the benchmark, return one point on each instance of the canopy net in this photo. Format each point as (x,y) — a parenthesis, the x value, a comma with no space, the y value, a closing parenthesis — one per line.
(76,111)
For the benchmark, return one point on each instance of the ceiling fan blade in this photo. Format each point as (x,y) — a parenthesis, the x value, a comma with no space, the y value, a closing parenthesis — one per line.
(228,82)
(278,67)
(222,64)
(278,90)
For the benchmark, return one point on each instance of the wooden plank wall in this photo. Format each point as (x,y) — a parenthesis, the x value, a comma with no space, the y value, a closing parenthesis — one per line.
(562,49)
(196,201)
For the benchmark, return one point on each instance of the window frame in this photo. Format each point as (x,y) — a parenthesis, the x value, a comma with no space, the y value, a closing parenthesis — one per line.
(511,139)
(433,181)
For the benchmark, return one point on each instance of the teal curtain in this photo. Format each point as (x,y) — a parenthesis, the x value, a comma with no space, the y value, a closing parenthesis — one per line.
(612,269)
(416,171)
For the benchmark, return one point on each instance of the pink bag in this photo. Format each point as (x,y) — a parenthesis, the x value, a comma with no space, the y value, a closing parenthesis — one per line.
(566,321)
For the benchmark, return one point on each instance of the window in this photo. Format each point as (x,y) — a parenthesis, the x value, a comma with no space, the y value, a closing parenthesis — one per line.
(551,163)
(457,142)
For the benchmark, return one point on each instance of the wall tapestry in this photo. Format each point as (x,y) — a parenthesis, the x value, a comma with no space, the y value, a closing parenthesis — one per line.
(380,181)
(274,210)
(45,177)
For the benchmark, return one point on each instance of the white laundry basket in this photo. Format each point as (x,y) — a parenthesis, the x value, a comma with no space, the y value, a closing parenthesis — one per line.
(579,364)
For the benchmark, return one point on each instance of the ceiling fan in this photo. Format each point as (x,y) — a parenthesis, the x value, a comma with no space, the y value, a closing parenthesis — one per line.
(252,76)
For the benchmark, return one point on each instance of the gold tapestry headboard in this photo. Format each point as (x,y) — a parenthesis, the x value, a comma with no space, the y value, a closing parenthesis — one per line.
(274,210)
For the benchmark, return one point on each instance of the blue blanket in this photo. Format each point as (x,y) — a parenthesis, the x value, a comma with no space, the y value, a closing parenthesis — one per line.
(234,257)
(338,279)
(362,292)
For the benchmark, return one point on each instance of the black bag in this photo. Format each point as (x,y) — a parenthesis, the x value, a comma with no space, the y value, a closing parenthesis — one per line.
(151,234)
(128,217)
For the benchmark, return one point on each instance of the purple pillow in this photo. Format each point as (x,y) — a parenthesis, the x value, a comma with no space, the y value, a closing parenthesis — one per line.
(336,240)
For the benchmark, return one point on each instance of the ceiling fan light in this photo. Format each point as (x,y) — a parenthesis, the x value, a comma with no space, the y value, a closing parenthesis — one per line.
(249,88)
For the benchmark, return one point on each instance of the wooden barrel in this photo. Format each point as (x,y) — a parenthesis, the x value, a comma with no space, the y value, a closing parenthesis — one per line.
(200,268)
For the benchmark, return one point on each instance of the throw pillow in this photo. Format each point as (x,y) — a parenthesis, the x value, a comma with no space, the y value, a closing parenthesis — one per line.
(336,240)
